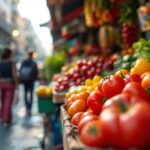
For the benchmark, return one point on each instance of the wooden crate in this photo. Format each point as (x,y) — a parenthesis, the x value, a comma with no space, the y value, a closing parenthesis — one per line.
(58,97)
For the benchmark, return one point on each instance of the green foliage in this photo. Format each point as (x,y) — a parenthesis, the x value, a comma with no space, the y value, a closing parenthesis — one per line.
(53,64)
(142,48)
(129,11)
(103,4)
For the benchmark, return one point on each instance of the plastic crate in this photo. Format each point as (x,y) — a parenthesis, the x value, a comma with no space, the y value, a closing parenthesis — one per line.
(46,105)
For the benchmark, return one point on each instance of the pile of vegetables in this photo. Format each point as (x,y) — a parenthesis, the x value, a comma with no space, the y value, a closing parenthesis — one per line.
(125,62)
(53,64)
(125,115)
(114,111)
(142,49)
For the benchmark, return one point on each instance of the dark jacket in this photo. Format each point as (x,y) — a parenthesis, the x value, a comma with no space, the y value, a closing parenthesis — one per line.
(6,70)
(30,62)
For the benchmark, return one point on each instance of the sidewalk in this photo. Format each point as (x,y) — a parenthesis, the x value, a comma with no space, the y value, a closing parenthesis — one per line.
(26,133)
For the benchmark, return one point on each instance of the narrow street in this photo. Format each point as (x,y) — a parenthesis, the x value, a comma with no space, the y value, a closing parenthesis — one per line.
(26,132)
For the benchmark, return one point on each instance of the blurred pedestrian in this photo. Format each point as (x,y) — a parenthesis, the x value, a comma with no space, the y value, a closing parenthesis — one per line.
(28,75)
(8,83)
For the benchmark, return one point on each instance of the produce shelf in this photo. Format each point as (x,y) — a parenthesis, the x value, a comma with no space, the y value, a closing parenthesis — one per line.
(70,135)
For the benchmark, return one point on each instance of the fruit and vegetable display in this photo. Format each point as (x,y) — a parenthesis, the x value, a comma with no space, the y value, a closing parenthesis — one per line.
(114,111)
(121,14)
(83,69)
(129,22)
(125,62)
(44,91)
(99,12)
(105,92)
(141,58)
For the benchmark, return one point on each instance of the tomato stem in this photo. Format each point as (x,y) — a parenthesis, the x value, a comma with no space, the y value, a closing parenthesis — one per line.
(122,75)
(122,106)
(103,100)
(106,77)
(148,90)
(93,130)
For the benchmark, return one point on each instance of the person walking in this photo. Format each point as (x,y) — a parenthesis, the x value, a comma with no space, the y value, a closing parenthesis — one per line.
(28,75)
(8,82)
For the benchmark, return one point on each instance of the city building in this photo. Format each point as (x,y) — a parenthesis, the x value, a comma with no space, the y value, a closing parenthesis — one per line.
(27,38)
(8,14)
(17,32)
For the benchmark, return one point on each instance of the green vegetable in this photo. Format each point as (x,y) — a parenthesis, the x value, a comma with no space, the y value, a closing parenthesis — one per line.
(142,49)
(118,62)
(129,11)
(128,58)
(104,74)
(126,65)
(53,64)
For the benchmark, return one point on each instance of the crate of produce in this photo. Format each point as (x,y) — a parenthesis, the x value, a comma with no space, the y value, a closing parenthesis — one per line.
(46,105)
(58,97)
(70,134)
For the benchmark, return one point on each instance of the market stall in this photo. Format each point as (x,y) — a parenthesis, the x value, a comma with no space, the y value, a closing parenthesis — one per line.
(101,83)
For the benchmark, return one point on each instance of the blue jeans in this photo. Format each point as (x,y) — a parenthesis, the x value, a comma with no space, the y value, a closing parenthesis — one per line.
(28,94)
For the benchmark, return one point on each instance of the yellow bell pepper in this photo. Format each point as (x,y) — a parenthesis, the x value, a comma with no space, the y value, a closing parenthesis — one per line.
(141,66)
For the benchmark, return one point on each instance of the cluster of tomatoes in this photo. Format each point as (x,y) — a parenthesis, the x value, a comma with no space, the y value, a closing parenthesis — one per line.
(113,111)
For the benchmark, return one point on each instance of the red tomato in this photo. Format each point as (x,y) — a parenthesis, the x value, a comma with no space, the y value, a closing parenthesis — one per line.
(85,120)
(144,74)
(92,135)
(95,102)
(132,77)
(75,119)
(125,121)
(135,88)
(100,85)
(113,85)
(86,113)
(84,95)
(68,102)
(146,81)
(77,106)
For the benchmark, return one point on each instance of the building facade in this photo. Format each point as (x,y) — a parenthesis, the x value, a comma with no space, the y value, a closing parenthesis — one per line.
(8,14)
